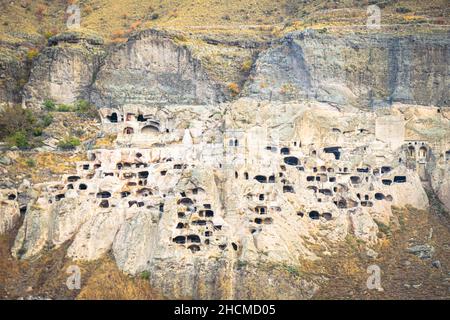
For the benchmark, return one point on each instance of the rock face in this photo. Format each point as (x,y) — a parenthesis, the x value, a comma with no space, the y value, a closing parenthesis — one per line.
(9,210)
(152,69)
(197,193)
(367,71)
(63,72)
(13,75)
(207,190)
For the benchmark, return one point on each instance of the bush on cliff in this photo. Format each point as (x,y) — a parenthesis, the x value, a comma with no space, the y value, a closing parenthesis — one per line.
(21,127)
(69,143)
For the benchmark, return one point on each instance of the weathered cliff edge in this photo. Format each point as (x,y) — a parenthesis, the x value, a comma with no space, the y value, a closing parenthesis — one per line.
(364,70)
(154,68)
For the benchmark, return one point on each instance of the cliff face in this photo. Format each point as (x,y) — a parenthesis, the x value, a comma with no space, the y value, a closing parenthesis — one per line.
(368,71)
(151,69)
(208,197)
(64,72)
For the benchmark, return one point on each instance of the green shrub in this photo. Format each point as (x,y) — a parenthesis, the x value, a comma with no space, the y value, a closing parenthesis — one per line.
(69,143)
(402,10)
(293,270)
(46,120)
(32,53)
(247,65)
(64,108)
(49,105)
(383,228)
(37,132)
(18,139)
(145,275)
(20,127)
(78,132)
(85,109)
(31,163)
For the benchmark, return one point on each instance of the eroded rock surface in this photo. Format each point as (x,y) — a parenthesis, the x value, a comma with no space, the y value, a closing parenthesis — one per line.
(206,189)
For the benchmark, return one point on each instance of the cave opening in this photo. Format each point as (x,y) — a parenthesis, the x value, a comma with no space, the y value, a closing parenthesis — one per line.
(103,194)
(314,215)
(334,150)
(261,179)
(399,179)
(291,161)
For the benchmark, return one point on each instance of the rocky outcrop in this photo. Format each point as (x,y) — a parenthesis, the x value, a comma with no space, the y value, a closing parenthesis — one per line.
(152,69)
(64,71)
(207,198)
(362,70)
(14,73)
(197,196)
(9,210)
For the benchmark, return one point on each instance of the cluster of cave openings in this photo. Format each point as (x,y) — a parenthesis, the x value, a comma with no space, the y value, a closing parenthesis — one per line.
(144,192)
(190,239)
(315,215)
(263,179)
(261,209)
(263,221)
(233,143)
(366,204)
